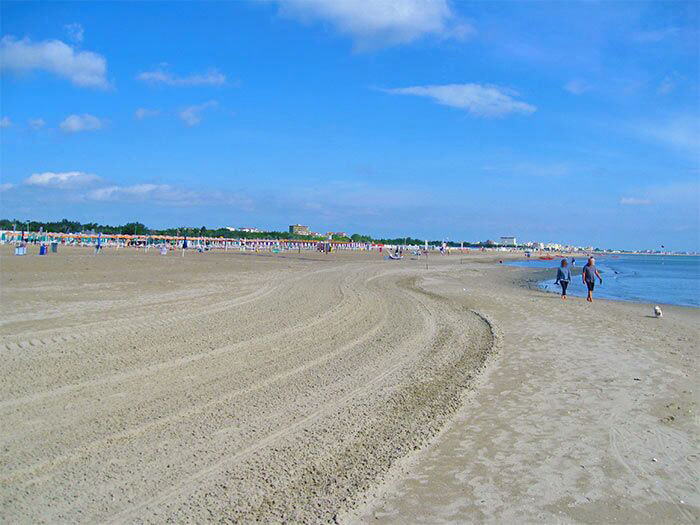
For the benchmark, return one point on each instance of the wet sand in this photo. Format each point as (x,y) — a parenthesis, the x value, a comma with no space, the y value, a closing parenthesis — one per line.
(311,388)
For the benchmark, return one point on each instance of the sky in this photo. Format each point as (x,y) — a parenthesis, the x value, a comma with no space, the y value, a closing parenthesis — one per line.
(555,122)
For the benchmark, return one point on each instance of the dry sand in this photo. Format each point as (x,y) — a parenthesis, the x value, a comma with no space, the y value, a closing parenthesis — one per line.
(227,386)
(137,387)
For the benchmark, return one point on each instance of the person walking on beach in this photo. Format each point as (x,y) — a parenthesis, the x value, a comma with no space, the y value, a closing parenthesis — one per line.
(590,272)
(563,277)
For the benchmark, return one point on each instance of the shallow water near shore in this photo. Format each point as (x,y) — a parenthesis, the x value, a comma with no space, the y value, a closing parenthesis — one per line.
(658,279)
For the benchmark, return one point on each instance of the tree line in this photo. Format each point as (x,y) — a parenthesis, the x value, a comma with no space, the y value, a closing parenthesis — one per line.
(137,228)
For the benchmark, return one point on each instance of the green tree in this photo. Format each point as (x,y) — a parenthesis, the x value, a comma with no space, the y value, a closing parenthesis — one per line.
(133,228)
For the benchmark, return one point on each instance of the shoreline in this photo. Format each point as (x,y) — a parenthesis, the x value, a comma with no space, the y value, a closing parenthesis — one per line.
(540,276)
(537,442)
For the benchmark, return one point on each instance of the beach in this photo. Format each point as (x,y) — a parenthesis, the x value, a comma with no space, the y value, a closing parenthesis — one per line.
(587,414)
(342,387)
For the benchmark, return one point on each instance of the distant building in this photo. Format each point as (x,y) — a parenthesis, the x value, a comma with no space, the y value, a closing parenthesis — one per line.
(490,243)
(299,229)
(337,234)
(247,230)
(508,241)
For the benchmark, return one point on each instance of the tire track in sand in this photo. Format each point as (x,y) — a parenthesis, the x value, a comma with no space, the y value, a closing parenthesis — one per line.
(14,476)
(195,479)
(324,402)
(158,367)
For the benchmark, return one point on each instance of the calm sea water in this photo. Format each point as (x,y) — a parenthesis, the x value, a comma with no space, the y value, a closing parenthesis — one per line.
(658,279)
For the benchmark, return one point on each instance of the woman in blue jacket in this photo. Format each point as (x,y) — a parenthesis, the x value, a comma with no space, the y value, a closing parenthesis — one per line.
(563,277)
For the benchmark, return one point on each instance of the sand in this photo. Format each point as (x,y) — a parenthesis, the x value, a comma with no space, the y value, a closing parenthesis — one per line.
(312,388)
(588,414)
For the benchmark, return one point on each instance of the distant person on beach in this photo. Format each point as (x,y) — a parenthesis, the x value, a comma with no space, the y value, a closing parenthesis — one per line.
(590,272)
(573,261)
(563,277)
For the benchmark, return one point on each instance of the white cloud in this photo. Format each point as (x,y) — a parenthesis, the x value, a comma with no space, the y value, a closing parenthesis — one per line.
(668,84)
(82,68)
(113,192)
(634,201)
(142,113)
(5,122)
(37,123)
(84,122)
(192,115)
(654,35)
(577,87)
(540,170)
(210,78)
(336,200)
(67,179)
(374,23)
(75,32)
(528,169)
(80,187)
(481,100)
(675,193)
(166,194)
(678,195)
(161,193)
(681,132)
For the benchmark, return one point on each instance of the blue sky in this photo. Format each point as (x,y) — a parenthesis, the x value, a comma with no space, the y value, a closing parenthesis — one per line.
(576,123)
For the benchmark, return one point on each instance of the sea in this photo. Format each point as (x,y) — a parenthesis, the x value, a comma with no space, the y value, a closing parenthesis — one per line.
(657,279)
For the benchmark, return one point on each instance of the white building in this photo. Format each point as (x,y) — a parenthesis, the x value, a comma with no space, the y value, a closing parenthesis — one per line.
(508,241)
(243,229)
